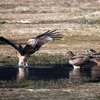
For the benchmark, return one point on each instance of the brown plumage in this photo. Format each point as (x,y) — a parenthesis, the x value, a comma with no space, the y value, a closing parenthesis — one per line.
(95,55)
(34,44)
(78,61)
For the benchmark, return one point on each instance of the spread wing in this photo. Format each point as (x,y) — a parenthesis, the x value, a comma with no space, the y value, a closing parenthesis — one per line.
(10,43)
(47,37)
(36,42)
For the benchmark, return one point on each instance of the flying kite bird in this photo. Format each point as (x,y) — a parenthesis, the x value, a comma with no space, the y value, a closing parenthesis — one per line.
(78,61)
(34,44)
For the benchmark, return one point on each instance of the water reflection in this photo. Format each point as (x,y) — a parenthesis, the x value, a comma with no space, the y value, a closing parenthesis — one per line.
(47,74)
(80,73)
(20,74)
(95,71)
(41,74)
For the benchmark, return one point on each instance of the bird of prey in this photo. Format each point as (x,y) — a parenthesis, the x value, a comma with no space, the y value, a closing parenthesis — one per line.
(33,44)
(78,61)
(95,55)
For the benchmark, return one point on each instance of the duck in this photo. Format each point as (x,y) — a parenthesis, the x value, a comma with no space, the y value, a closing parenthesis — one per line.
(95,55)
(79,60)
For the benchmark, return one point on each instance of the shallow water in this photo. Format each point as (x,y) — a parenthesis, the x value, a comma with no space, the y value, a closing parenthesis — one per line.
(16,73)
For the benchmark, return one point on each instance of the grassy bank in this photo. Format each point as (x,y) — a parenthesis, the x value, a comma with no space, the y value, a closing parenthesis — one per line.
(60,89)
(41,59)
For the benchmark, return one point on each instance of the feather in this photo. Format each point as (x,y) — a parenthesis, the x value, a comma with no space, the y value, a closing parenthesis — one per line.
(11,43)
(36,42)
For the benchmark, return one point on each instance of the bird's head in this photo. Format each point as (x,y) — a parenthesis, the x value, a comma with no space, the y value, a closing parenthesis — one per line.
(22,59)
(70,54)
(91,51)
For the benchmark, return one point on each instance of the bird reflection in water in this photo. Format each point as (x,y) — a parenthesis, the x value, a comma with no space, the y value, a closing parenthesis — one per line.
(86,72)
(22,73)
(95,71)
(81,73)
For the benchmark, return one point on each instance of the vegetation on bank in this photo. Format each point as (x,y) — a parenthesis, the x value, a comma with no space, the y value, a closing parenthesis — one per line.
(41,59)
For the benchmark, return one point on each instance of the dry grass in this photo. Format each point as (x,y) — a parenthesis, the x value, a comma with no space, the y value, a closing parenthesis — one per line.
(77,20)
(78,92)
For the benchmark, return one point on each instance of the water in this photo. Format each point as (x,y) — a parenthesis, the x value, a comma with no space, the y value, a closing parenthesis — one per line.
(15,73)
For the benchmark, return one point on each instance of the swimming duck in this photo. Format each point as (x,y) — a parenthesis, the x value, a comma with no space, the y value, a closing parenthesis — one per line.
(95,55)
(78,61)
